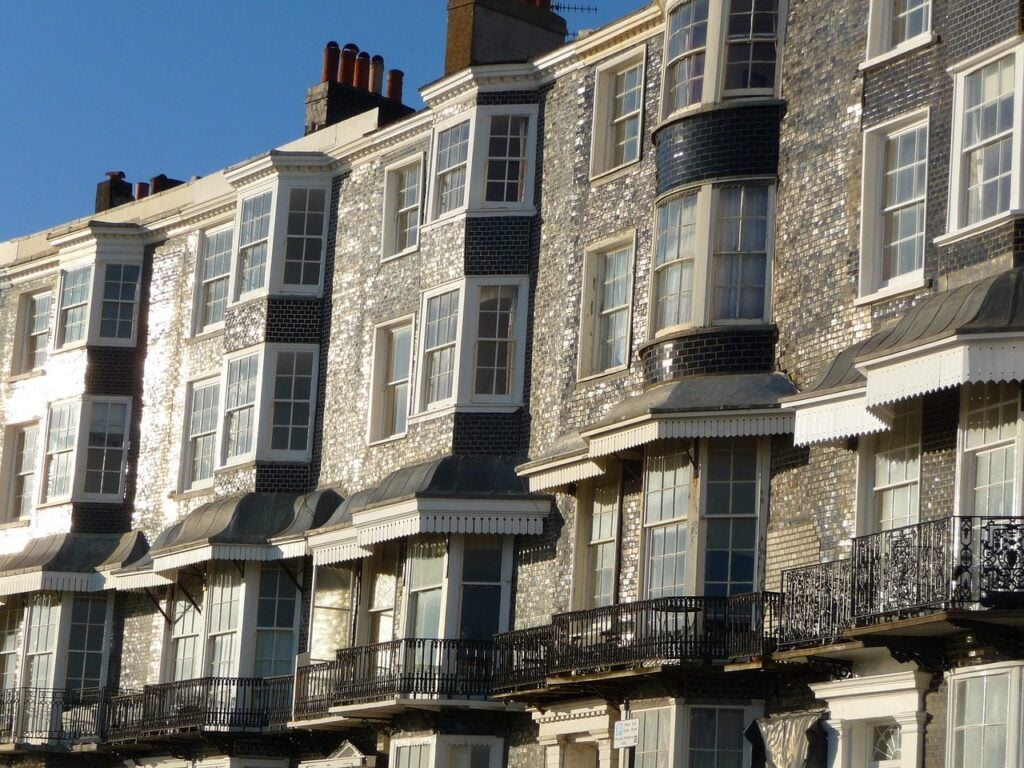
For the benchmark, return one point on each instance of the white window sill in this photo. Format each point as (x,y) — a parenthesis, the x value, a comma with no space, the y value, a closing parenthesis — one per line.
(21,522)
(389,439)
(285,457)
(399,255)
(446,216)
(105,342)
(919,41)
(480,213)
(237,462)
(69,347)
(53,503)
(193,491)
(599,375)
(904,286)
(297,292)
(598,178)
(249,298)
(100,498)
(977,227)
(453,408)
(26,375)
(209,332)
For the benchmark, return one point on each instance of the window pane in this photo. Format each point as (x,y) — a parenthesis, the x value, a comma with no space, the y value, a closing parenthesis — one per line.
(292,407)
(506,159)
(688,24)
(987,138)
(674,257)
(741,252)
(452,153)
(495,339)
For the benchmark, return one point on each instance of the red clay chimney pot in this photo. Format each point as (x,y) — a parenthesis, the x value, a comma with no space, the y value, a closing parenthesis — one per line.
(395,85)
(362,80)
(376,74)
(330,69)
(346,69)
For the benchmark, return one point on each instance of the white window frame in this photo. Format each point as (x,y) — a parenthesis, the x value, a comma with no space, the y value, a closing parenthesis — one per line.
(465,347)
(88,404)
(880,44)
(715,48)
(602,140)
(696,517)
(59,648)
(186,482)
(237,293)
(867,519)
(96,314)
(392,174)
(248,604)
(433,196)
(12,470)
(582,584)
(872,285)
(702,307)
(451,587)
(265,403)
(679,725)
(223,460)
(46,452)
(1015,707)
(966,457)
(588,361)
(201,281)
(21,364)
(957,215)
(287,182)
(379,382)
(59,330)
(476,178)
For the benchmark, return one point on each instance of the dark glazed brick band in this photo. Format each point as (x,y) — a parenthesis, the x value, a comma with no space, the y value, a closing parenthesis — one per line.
(719,143)
(709,350)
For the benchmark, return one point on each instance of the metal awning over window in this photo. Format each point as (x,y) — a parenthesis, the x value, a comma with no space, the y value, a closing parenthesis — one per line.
(974,333)
(252,526)
(76,562)
(449,494)
(733,405)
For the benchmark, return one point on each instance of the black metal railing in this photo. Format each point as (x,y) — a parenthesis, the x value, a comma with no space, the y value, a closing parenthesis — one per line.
(953,562)
(207,703)
(815,604)
(412,667)
(522,658)
(667,629)
(54,716)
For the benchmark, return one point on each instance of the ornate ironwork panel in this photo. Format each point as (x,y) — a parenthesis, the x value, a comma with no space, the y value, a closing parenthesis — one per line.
(815,603)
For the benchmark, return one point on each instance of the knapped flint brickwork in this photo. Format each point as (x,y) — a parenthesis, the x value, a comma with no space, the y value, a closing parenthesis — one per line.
(498,245)
(727,140)
(294,321)
(707,351)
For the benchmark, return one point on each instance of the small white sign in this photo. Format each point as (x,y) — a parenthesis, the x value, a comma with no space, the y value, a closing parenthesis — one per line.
(627,734)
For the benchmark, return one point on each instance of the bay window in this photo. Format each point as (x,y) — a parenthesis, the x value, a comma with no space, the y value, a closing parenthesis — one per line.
(720,50)
(893,464)
(186,630)
(693,735)
(120,304)
(292,408)
(254,243)
(202,433)
(106,448)
(724,518)
(304,239)
(990,435)
(451,168)
(472,348)
(73,315)
(985,716)
(505,180)
(713,256)
(276,613)
(61,437)
(101,458)
(240,405)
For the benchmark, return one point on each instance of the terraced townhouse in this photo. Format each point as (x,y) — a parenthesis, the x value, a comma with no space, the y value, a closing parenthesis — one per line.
(648,399)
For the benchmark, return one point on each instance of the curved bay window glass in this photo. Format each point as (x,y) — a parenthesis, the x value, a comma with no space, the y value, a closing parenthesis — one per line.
(674,260)
(687,42)
(751,45)
(741,252)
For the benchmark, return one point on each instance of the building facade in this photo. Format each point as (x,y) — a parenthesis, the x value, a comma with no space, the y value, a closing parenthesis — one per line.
(648,399)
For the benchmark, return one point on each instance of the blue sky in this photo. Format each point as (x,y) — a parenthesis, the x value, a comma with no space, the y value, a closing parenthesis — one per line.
(181,88)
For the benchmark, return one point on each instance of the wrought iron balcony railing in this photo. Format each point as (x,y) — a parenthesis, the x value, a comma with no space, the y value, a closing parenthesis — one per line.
(815,604)
(51,716)
(203,704)
(667,629)
(411,667)
(952,562)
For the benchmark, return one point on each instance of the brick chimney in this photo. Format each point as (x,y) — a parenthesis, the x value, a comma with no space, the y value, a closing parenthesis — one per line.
(500,31)
(113,192)
(350,83)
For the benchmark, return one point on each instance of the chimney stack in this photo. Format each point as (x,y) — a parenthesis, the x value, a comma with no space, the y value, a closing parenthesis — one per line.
(351,82)
(500,32)
(113,192)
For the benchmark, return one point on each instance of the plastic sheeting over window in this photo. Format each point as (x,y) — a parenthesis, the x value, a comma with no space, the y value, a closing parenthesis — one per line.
(795,740)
